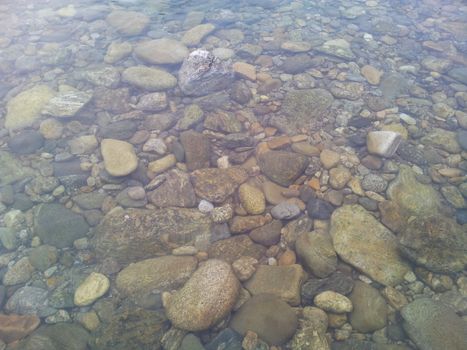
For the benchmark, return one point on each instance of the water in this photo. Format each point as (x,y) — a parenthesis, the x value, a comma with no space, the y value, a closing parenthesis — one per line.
(212,175)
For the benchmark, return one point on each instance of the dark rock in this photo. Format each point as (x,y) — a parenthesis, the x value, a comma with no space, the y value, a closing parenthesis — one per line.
(297,64)
(411,154)
(196,147)
(359,122)
(237,140)
(58,226)
(203,73)
(120,130)
(462,139)
(461,216)
(240,92)
(268,234)
(337,282)
(26,142)
(70,336)
(175,191)
(282,167)
(227,339)
(319,209)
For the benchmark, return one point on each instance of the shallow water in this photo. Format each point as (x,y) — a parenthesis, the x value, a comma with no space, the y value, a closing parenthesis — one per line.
(226,175)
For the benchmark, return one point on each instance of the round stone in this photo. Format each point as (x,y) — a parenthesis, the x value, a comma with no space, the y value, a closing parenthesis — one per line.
(128,23)
(91,289)
(119,157)
(252,199)
(338,177)
(333,302)
(147,78)
(161,51)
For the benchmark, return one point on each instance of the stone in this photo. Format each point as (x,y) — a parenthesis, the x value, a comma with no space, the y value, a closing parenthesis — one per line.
(117,51)
(337,282)
(244,267)
(43,257)
(196,34)
(373,182)
(282,167)
(285,211)
(154,102)
(202,73)
(462,139)
(371,74)
(337,47)
(18,273)
(161,273)
(393,85)
(9,238)
(297,64)
(24,109)
(66,104)
(222,121)
(370,310)
(268,316)
(85,144)
(383,143)
(161,165)
(436,242)
(333,302)
(119,157)
(161,51)
(245,70)
(106,76)
(240,92)
(329,158)
(91,200)
(231,249)
(192,115)
(443,139)
(26,142)
(27,300)
(296,46)
(312,331)
(120,130)
(454,196)
(92,288)
(207,297)
(360,240)
(147,78)
(227,339)
(58,226)
(304,106)
(197,149)
(339,177)
(175,191)
(154,232)
(51,129)
(348,90)
(268,234)
(191,342)
(433,325)
(252,199)
(216,185)
(316,251)
(112,100)
(128,23)
(413,197)
(243,224)
(16,327)
(283,282)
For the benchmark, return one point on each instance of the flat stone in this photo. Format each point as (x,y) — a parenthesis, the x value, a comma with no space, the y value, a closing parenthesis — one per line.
(147,78)
(154,232)
(161,165)
(296,46)
(285,211)
(333,302)
(315,249)
(207,297)
(432,325)
(233,248)
(12,170)
(16,327)
(119,157)
(216,185)
(192,115)
(112,100)
(195,35)
(66,104)
(370,310)
(197,149)
(329,158)
(107,76)
(18,273)
(175,191)
(268,316)
(339,177)
(128,23)
(243,224)
(374,254)
(268,234)
(162,273)
(24,109)
(282,167)
(154,102)
(43,257)
(227,339)
(62,335)
(51,129)
(245,70)
(91,289)
(319,209)
(222,121)
(161,51)
(348,90)
(120,130)
(26,142)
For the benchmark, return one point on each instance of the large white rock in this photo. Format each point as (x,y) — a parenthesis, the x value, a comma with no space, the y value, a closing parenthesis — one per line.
(383,143)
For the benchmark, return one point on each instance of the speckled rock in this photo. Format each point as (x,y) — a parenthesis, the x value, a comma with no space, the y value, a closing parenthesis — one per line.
(175,191)
(66,104)
(338,177)
(196,147)
(206,298)
(91,289)
(252,199)
(20,272)
(362,241)
(119,157)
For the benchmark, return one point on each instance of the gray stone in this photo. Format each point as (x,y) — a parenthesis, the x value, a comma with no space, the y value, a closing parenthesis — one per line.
(151,79)
(128,23)
(26,142)
(175,191)
(91,200)
(285,211)
(375,183)
(444,139)
(27,300)
(316,251)
(268,234)
(282,167)
(432,325)
(154,102)
(9,238)
(43,257)
(222,121)
(123,198)
(20,272)
(67,104)
(337,47)
(161,51)
(383,143)
(68,336)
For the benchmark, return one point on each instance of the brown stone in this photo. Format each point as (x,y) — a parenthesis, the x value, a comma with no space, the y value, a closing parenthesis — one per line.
(233,248)
(196,148)
(242,224)
(16,327)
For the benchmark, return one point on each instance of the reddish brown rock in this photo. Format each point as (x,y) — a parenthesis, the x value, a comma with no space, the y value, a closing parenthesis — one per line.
(16,327)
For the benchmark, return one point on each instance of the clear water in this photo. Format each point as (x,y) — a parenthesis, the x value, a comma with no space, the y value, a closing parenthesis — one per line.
(336,137)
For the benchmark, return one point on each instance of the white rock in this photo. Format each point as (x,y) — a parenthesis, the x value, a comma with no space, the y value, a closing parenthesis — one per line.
(383,143)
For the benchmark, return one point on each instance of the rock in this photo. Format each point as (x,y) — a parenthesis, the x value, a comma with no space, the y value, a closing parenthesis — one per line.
(91,289)
(268,234)
(244,267)
(348,90)
(197,149)
(315,249)
(311,333)
(216,185)
(162,273)
(161,165)
(454,196)
(222,121)
(43,257)
(393,85)
(85,144)
(16,327)
(282,167)
(58,226)
(227,339)
(462,139)
(329,158)
(24,109)
(132,328)
(154,232)
(240,92)
(252,199)
(435,242)
(459,74)
(27,300)
(297,64)
(117,51)
(338,177)
(191,342)
(123,199)
(282,281)
(202,73)
(245,70)
(337,47)
(128,23)
(233,248)
(268,316)
(154,102)
(369,308)
(413,197)
(285,211)
(113,100)
(383,143)
(319,209)
(373,182)
(51,129)
(243,224)
(66,104)
(360,240)
(432,325)
(195,35)
(151,79)
(192,115)
(337,282)
(444,139)
(296,46)
(8,238)
(119,157)
(120,130)
(371,74)
(206,298)
(161,51)
(107,76)
(175,191)
(333,302)
(18,273)
(303,106)
(26,142)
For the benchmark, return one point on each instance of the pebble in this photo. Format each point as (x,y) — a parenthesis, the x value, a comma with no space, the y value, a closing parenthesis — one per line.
(252,199)
(339,177)
(383,143)
(333,302)
(285,211)
(329,158)
(91,289)
(162,164)
(205,207)
(119,157)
